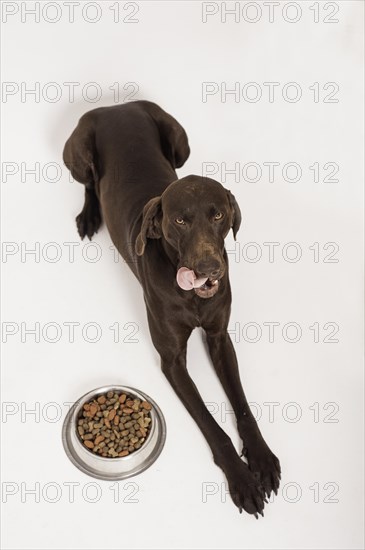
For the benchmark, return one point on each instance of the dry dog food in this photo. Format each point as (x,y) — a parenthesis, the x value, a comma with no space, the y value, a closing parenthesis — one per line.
(114,424)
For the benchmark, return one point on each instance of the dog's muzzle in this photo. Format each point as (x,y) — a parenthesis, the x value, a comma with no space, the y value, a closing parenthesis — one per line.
(204,287)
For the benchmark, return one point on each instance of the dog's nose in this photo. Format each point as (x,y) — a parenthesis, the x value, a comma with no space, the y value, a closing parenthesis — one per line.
(208,268)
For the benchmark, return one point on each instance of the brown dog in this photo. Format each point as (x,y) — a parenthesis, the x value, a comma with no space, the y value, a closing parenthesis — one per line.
(126,157)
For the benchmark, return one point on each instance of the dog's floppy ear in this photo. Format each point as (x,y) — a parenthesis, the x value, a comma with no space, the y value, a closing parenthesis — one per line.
(79,154)
(151,224)
(235,213)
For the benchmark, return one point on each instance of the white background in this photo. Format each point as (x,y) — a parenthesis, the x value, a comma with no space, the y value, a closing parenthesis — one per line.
(169,53)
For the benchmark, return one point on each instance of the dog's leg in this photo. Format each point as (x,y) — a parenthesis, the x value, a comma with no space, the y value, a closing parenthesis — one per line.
(246,491)
(262,461)
(79,155)
(89,219)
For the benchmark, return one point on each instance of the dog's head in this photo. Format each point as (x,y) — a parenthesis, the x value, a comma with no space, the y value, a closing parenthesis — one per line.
(194,215)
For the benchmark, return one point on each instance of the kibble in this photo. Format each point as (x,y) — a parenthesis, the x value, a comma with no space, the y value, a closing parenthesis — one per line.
(114,425)
(112,414)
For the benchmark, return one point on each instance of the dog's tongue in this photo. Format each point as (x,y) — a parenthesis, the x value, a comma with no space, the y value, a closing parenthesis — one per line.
(186,279)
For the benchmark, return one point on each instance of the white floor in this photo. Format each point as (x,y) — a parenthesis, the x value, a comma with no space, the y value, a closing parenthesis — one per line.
(303,374)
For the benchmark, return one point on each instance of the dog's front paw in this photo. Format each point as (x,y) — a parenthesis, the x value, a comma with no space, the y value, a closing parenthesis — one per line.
(265,467)
(88,221)
(246,491)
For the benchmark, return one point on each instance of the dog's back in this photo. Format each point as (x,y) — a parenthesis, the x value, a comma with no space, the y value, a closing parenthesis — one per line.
(125,155)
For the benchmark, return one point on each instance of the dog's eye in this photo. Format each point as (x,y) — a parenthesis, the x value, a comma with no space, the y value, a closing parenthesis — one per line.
(218,216)
(180,221)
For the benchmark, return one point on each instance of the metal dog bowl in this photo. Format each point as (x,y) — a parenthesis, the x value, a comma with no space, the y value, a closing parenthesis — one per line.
(113,468)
